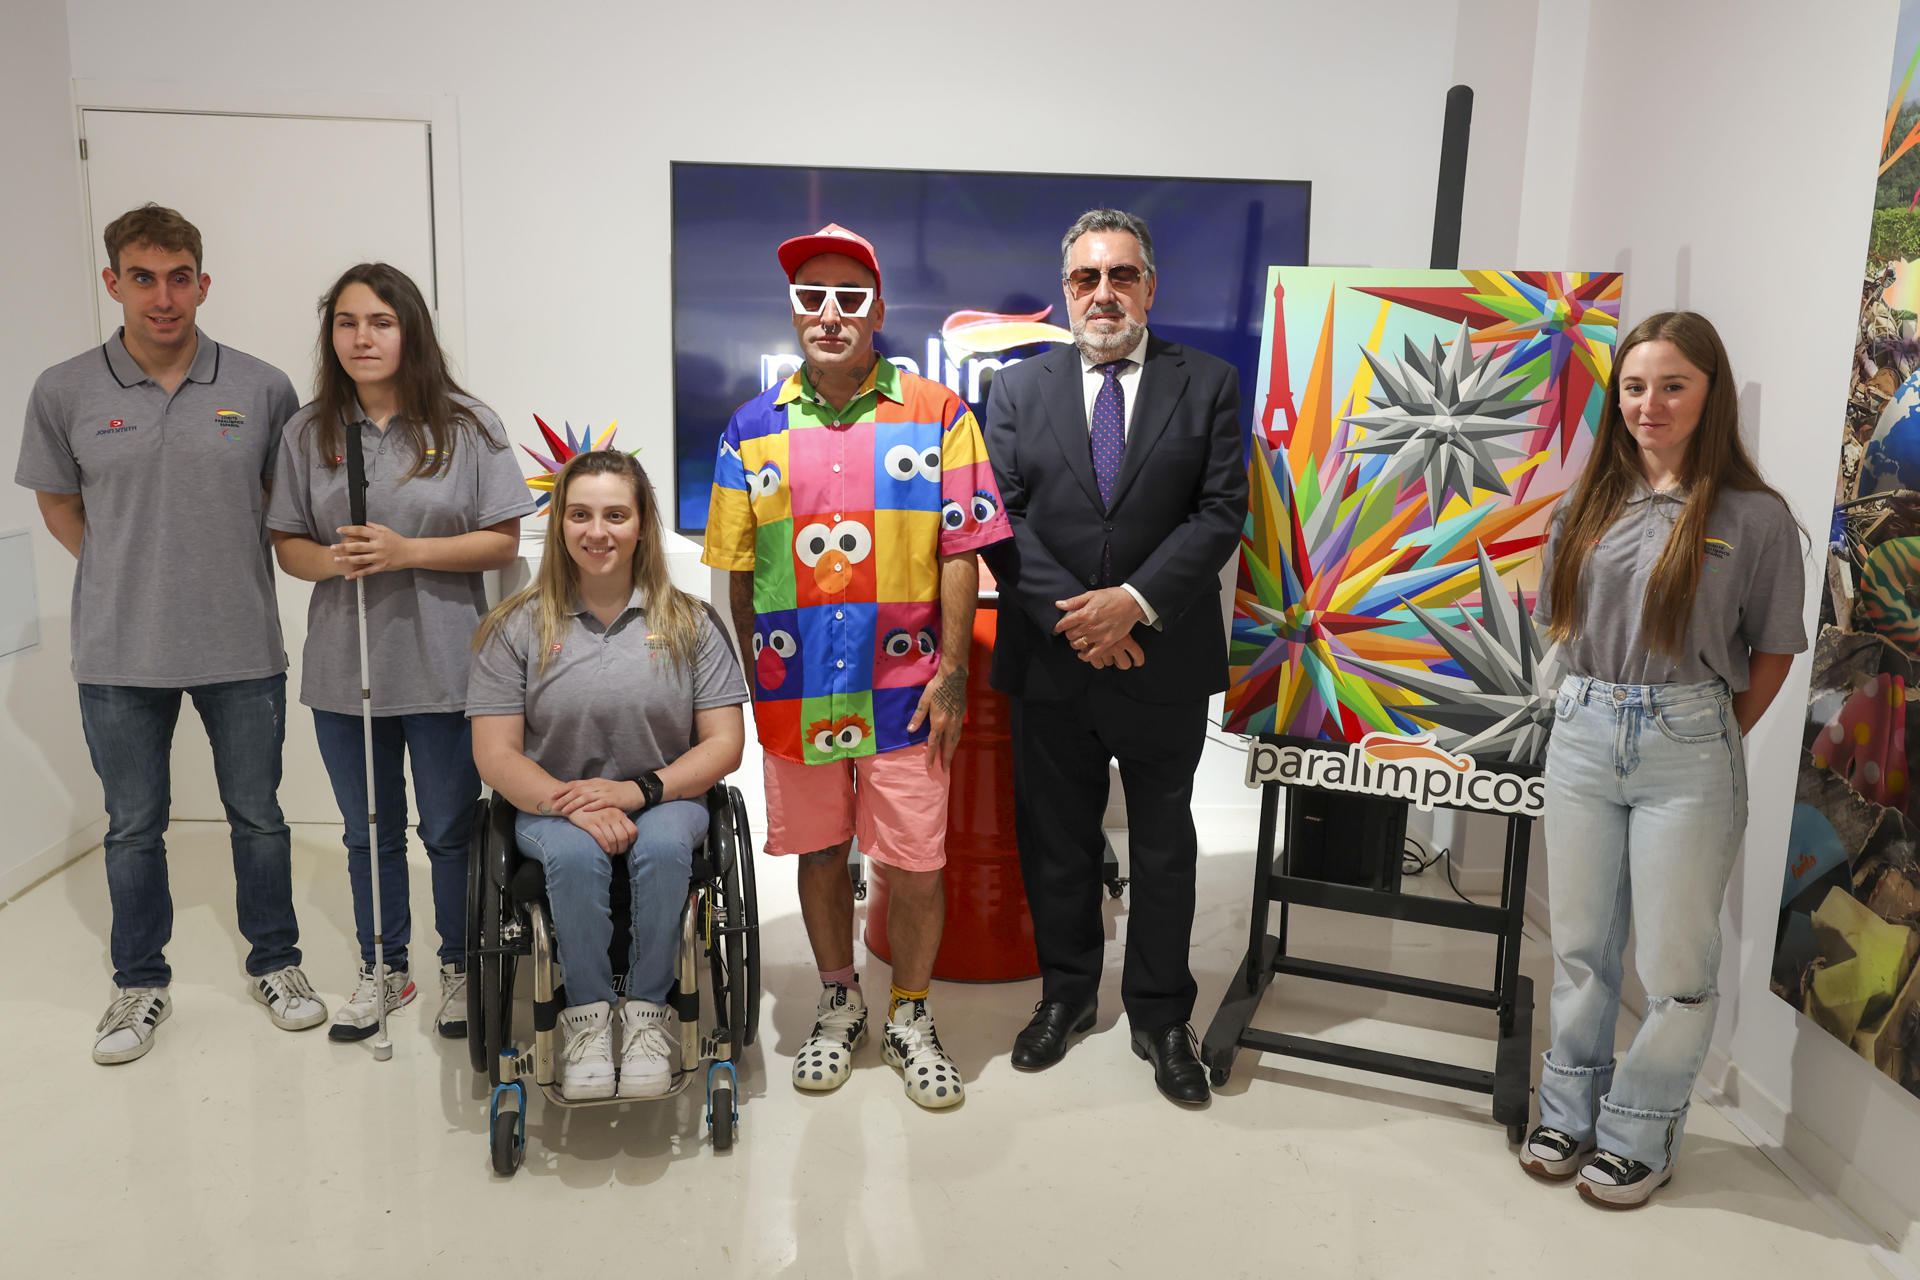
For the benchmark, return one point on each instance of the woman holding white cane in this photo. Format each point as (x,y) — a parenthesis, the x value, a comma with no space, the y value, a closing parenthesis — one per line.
(444,499)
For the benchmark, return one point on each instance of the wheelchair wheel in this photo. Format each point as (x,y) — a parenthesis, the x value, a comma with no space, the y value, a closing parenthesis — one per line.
(508,1149)
(720,1111)
(477,888)
(749,915)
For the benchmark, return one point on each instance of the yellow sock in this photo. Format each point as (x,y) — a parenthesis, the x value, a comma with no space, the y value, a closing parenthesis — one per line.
(901,995)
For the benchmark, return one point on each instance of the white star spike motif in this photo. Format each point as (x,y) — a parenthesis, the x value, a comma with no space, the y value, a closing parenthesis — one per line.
(1438,415)
(1503,709)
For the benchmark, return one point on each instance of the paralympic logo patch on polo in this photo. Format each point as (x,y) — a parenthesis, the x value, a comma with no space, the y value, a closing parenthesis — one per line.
(229,421)
(1399,767)
(116,426)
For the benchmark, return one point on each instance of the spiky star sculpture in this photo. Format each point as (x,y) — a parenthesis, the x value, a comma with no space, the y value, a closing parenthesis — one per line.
(1439,415)
(563,449)
(1504,708)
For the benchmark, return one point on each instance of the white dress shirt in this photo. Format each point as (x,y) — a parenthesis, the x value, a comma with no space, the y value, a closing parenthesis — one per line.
(1129,378)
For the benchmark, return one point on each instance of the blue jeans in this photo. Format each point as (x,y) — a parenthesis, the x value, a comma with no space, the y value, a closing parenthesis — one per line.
(1646,806)
(444,782)
(129,734)
(579,880)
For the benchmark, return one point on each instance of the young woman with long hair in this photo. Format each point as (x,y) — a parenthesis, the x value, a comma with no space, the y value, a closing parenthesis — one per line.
(444,501)
(605,702)
(1673,582)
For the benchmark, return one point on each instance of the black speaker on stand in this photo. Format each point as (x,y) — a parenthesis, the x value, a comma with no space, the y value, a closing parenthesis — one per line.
(1345,839)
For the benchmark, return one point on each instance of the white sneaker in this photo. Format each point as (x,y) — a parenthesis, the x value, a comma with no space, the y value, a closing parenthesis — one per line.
(289,998)
(648,1038)
(451,1021)
(586,1052)
(126,1030)
(359,1017)
(913,1046)
(840,1028)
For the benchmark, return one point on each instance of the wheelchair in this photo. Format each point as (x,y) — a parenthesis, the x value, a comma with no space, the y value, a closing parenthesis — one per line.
(508,921)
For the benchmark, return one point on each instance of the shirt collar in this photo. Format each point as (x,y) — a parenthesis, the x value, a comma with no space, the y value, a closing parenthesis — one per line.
(884,378)
(127,370)
(1138,356)
(637,600)
(1642,492)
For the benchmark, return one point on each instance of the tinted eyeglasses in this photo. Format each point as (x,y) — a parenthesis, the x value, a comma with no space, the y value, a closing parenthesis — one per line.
(811,300)
(1084,280)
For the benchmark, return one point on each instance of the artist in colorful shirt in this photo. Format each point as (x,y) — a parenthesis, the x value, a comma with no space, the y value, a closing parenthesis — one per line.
(848,504)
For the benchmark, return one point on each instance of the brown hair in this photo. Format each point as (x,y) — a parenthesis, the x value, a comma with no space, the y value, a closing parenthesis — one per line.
(551,594)
(153,224)
(1716,460)
(428,415)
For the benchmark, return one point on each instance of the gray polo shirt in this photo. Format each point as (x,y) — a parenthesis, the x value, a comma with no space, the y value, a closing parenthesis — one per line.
(1751,595)
(612,702)
(420,622)
(175,582)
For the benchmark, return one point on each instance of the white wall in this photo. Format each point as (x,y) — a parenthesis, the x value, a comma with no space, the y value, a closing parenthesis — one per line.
(47,788)
(567,126)
(1726,161)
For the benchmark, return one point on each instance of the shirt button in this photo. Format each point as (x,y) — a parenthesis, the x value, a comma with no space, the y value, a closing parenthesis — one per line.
(837,615)
(836,515)
(836,466)
(1093,579)
(840,664)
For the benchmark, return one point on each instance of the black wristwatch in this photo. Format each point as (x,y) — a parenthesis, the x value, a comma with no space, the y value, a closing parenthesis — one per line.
(650,787)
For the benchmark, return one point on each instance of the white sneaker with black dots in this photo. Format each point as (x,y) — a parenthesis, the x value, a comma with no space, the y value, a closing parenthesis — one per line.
(912,1045)
(839,1029)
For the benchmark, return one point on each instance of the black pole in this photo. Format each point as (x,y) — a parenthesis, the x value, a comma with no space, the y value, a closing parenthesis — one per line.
(356,477)
(1453,178)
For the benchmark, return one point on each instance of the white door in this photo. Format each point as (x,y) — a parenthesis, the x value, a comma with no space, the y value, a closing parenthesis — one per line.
(284,204)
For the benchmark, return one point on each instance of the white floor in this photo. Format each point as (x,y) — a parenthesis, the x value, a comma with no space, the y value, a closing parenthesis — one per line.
(234,1149)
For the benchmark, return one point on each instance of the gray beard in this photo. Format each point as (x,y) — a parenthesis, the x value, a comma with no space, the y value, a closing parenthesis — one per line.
(1102,349)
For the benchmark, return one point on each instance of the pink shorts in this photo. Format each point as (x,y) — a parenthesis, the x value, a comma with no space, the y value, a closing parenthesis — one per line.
(889,801)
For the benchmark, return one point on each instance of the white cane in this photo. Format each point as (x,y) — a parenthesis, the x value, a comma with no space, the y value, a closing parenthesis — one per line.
(357,514)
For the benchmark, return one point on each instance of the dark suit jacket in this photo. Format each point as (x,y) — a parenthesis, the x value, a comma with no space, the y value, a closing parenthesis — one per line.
(1179,506)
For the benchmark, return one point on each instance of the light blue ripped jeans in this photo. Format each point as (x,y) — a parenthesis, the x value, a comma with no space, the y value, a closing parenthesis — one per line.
(1646,806)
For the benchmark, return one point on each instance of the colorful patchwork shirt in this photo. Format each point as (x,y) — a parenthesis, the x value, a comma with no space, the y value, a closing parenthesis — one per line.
(842,517)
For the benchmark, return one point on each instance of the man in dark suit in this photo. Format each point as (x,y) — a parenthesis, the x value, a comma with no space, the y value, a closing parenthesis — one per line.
(1119,461)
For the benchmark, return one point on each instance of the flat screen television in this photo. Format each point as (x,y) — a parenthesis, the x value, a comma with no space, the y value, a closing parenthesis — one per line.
(949,244)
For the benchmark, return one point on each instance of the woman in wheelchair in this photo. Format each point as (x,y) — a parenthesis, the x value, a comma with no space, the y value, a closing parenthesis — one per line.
(605,702)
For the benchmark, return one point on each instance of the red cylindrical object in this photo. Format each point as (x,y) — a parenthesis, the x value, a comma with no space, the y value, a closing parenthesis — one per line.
(989,932)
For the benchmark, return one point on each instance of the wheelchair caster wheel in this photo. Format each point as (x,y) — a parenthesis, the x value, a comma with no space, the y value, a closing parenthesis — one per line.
(508,1146)
(720,1116)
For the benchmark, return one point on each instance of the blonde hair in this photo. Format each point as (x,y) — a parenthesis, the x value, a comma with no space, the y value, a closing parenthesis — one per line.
(553,594)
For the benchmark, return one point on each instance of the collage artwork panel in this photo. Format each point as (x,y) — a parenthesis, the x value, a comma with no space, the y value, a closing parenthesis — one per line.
(1849,924)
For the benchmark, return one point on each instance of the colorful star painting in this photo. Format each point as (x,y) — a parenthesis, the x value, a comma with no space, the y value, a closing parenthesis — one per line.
(1399,502)
(564,447)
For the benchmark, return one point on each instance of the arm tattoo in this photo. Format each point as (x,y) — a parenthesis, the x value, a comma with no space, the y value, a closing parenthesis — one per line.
(950,694)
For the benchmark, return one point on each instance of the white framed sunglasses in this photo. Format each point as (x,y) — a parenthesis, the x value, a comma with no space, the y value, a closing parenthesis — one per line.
(849,301)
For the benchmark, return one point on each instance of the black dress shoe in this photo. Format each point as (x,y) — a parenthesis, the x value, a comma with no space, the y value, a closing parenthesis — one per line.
(1043,1041)
(1176,1068)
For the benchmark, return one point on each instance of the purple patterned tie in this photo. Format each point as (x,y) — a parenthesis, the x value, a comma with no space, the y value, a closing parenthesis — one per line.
(1109,435)
(1109,440)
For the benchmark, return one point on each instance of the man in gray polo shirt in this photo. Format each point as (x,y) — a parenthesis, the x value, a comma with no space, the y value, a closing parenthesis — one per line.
(150,456)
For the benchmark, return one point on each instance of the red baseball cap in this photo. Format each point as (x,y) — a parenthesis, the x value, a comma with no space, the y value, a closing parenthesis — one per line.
(832,238)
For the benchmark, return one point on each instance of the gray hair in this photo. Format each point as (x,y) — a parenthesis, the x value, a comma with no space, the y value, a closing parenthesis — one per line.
(1107,220)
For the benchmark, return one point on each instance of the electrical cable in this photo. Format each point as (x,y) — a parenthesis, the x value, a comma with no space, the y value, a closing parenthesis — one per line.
(1417,859)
